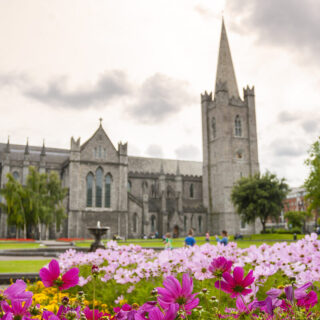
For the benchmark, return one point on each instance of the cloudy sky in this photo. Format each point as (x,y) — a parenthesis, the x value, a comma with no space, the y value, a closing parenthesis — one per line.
(142,64)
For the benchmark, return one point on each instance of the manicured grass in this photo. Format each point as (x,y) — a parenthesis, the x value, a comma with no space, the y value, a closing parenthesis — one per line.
(13,266)
(178,243)
(5,245)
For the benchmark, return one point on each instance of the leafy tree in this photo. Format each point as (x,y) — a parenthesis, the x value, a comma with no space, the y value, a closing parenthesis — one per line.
(312,183)
(14,196)
(40,201)
(259,196)
(297,219)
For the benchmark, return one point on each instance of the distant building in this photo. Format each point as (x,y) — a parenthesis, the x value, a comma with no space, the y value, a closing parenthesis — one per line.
(138,196)
(295,200)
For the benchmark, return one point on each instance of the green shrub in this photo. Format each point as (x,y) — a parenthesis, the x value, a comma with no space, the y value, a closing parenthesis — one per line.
(286,231)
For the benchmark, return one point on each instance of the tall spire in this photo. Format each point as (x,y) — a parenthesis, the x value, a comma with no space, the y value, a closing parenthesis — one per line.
(7,149)
(225,71)
(26,150)
(43,150)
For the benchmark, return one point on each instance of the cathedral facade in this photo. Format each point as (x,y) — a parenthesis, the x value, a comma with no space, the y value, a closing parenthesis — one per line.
(137,196)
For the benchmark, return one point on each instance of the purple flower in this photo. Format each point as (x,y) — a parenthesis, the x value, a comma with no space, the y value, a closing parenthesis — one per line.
(236,285)
(174,293)
(17,291)
(220,265)
(157,314)
(89,314)
(310,300)
(18,309)
(51,276)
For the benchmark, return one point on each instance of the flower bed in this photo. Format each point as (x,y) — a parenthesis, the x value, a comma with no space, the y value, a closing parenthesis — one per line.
(207,282)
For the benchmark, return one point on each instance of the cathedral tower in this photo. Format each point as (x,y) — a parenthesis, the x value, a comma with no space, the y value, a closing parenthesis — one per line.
(230,148)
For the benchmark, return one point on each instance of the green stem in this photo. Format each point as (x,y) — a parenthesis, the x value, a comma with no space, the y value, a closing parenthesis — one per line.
(94,296)
(219,295)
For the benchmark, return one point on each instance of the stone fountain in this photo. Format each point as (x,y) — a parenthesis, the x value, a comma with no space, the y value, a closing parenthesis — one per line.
(98,232)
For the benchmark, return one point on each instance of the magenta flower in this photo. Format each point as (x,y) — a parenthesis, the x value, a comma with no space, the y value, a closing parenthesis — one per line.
(89,314)
(17,291)
(18,309)
(174,293)
(220,265)
(51,276)
(236,285)
(310,300)
(157,314)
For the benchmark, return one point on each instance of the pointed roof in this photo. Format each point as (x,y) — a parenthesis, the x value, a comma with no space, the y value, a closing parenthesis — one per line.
(225,71)
(26,150)
(43,150)
(7,149)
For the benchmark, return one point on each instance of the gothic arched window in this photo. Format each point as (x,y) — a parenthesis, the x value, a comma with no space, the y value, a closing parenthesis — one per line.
(191,191)
(99,175)
(16,175)
(107,198)
(89,189)
(213,127)
(237,126)
(135,222)
(153,223)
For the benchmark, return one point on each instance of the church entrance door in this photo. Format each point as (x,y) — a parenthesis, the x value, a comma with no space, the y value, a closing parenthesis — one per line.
(176,232)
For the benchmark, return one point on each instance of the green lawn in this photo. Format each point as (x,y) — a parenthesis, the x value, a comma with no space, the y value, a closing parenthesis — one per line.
(178,243)
(5,245)
(22,266)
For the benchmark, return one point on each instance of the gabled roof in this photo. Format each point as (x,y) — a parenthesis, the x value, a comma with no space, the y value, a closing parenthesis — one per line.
(100,130)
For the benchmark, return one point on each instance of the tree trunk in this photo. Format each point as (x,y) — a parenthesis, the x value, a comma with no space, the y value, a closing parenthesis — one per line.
(25,231)
(263,222)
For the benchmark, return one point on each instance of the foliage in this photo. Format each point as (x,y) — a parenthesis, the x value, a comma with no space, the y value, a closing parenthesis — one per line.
(297,219)
(292,231)
(312,183)
(39,201)
(259,196)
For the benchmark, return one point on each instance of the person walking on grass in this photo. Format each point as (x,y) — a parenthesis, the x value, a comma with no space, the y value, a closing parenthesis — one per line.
(168,241)
(224,235)
(207,237)
(189,241)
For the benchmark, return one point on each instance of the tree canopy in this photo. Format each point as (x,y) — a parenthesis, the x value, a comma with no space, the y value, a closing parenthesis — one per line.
(297,219)
(312,183)
(39,201)
(259,196)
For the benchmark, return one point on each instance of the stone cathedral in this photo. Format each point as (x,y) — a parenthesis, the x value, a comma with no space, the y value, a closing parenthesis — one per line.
(138,196)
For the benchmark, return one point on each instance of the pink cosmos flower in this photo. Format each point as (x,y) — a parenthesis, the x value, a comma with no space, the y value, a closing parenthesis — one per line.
(18,309)
(236,285)
(97,314)
(220,265)
(157,314)
(17,291)
(310,300)
(174,293)
(51,276)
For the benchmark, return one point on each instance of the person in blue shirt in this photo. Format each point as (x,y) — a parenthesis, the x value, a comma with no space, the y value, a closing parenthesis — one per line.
(224,239)
(190,241)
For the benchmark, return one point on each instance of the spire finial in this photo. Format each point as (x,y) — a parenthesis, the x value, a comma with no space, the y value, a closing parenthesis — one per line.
(161,168)
(7,150)
(100,119)
(226,78)
(43,150)
(26,150)
(178,168)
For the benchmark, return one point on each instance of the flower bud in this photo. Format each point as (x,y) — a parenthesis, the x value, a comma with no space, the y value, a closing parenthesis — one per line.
(95,269)
(65,300)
